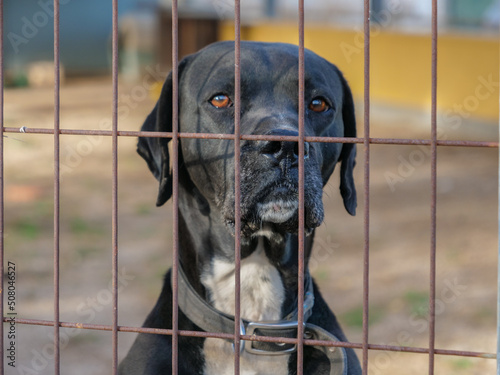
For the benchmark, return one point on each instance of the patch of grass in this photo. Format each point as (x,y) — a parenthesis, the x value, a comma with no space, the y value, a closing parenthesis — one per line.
(461,364)
(80,226)
(484,314)
(26,229)
(85,252)
(418,302)
(143,209)
(84,337)
(44,208)
(354,317)
(32,221)
(322,275)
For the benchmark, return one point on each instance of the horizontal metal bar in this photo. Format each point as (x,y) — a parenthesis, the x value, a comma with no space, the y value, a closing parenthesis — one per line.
(253,137)
(229,336)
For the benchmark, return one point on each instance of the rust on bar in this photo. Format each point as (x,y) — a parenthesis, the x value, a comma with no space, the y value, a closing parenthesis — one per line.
(175,191)
(230,336)
(366,148)
(256,137)
(301,210)
(2,208)
(237,185)
(57,87)
(432,286)
(175,188)
(114,194)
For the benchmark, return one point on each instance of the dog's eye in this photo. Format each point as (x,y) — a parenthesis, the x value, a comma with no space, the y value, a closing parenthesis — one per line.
(319,105)
(221,101)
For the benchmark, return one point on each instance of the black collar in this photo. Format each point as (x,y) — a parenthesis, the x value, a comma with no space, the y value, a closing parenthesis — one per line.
(209,319)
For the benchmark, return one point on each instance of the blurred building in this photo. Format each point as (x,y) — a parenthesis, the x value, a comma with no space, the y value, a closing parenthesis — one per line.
(85,34)
(409,14)
(400,41)
(400,46)
(86,26)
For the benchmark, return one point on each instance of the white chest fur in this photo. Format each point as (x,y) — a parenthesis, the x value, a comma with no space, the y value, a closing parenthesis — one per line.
(262,295)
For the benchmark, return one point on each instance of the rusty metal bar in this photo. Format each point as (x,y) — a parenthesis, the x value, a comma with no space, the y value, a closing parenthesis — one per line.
(256,137)
(2,208)
(114,197)
(366,148)
(237,185)
(229,336)
(498,274)
(175,187)
(301,211)
(432,286)
(57,87)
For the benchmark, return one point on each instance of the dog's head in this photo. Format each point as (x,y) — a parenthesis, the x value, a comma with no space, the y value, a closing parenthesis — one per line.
(269,106)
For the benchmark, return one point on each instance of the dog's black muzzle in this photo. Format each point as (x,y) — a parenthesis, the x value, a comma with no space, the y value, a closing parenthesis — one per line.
(271,199)
(283,153)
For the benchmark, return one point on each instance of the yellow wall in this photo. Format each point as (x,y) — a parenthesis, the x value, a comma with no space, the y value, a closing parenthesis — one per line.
(401,65)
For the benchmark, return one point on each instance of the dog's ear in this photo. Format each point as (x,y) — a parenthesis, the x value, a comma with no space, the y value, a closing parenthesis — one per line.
(155,150)
(348,153)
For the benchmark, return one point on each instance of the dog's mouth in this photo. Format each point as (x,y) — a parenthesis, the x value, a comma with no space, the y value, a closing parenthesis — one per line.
(278,208)
(277,212)
(270,198)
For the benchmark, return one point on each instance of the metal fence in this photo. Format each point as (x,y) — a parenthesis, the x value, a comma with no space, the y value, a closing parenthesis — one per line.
(175,135)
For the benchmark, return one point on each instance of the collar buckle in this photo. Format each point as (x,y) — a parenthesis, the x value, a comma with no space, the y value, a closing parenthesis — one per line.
(287,329)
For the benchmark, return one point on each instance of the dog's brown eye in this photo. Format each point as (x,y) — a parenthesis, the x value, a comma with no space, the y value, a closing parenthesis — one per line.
(221,101)
(319,105)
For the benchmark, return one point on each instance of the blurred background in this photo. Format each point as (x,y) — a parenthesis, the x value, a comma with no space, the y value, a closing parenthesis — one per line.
(467,237)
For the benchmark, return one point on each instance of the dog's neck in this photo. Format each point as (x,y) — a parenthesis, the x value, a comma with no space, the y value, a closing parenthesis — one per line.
(262,289)
(268,271)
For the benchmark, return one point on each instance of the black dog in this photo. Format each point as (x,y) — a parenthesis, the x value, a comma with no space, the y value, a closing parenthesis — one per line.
(269,205)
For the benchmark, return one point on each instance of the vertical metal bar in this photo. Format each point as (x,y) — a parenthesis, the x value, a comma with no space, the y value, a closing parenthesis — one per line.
(2,226)
(498,265)
(57,83)
(237,182)
(114,198)
(366,147)
(432,291)
(301,236)
(175,188)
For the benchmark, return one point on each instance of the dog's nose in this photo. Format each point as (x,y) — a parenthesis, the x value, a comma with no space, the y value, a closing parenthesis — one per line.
(280,150)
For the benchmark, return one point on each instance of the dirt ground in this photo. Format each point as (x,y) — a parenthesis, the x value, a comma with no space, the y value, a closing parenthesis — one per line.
(399,236)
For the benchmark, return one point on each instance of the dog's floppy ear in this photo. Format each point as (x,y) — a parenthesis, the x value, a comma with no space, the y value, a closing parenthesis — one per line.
(155,150)
(348,153)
